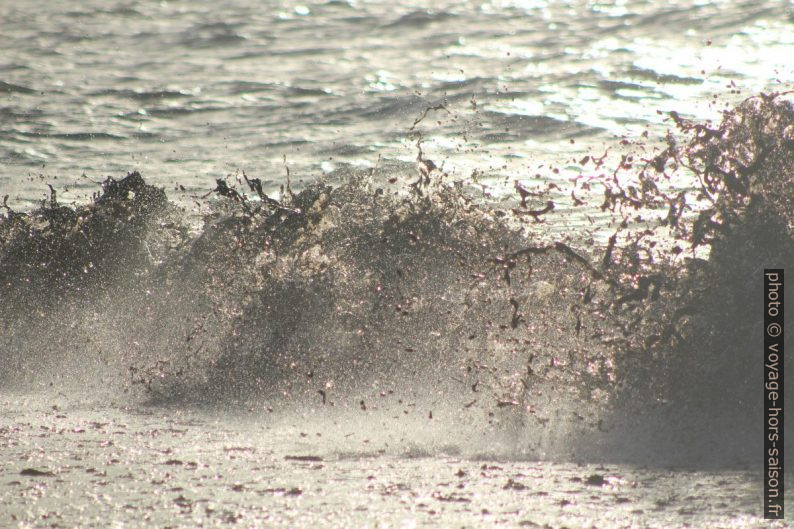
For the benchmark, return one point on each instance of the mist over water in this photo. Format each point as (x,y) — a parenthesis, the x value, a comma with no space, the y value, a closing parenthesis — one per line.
(409,302)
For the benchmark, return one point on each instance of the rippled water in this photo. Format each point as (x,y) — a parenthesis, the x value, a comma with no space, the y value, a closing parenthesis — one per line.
(190,91)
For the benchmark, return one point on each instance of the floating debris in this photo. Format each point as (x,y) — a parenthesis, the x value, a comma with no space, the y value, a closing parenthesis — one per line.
(36,473)
(303,458)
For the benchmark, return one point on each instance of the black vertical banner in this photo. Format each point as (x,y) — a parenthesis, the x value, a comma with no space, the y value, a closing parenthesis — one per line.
(773,393)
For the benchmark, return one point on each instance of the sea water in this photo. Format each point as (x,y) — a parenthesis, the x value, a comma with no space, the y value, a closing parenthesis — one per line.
(372,264)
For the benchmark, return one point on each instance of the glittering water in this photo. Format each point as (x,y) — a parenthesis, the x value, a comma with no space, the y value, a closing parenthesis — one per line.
(438,359)
(190,91)
(188,469)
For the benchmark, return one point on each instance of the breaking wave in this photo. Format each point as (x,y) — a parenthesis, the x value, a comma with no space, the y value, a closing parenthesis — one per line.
(423,299)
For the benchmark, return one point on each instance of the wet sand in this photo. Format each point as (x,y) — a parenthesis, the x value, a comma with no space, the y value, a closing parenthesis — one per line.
(68,465)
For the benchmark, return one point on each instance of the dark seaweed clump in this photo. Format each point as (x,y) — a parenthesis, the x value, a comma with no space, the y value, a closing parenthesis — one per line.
(56,252)
(690,354)
(66,274)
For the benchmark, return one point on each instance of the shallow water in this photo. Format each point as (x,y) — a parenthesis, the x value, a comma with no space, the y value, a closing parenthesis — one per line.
(111,467)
